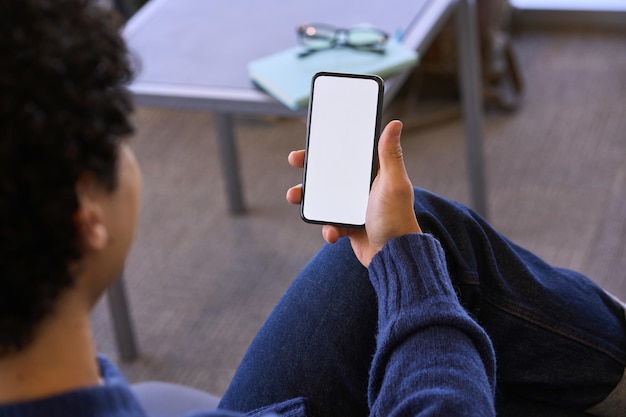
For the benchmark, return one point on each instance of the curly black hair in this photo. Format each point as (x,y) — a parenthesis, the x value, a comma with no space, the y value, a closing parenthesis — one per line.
(63,108)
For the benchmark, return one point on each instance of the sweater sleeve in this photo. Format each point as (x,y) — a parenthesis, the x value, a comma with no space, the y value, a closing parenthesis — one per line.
(431,358)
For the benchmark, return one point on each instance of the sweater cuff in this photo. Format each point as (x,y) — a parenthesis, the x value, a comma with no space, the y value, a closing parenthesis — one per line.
(409,270)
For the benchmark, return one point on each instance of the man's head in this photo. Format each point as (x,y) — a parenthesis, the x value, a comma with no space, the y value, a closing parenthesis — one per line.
(63,108)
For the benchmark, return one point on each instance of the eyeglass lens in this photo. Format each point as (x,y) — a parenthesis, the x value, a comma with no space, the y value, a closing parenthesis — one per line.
(322,36)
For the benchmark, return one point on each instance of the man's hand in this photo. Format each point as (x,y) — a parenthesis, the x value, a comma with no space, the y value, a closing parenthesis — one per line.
(390,207)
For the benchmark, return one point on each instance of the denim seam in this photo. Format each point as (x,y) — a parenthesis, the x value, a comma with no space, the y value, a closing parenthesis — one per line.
(539,323)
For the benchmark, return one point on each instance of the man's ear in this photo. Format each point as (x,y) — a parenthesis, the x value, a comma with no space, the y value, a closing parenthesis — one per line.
(89,218)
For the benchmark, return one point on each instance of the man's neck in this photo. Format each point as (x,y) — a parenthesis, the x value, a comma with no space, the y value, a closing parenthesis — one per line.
(60,359)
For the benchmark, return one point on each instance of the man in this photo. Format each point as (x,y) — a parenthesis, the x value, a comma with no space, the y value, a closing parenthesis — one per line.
(392,339)
(69,203)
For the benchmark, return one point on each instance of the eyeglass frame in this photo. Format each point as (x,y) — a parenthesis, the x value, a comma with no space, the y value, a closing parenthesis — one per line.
(339,37)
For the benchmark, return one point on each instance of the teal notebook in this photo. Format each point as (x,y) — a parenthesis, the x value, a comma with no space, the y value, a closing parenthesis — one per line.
(287,77)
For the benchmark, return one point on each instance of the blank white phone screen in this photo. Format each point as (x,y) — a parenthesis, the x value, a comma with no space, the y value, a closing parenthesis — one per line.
(340,149)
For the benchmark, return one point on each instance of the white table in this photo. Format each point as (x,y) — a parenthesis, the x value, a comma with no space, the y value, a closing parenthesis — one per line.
(194,54)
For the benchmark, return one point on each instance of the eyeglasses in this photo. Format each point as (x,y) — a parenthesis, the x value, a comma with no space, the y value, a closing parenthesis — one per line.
(318,37)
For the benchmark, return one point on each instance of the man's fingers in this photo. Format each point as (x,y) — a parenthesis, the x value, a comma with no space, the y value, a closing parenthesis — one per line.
(294,194)
(331,234)
(296,159)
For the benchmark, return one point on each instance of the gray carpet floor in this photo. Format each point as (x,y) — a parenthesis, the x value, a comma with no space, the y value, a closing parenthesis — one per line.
(201,281)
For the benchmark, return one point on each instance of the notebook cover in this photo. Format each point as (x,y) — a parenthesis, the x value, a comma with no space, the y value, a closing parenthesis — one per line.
(287,77)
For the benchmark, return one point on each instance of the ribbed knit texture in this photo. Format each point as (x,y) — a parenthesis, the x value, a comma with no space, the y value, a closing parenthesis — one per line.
(432,359)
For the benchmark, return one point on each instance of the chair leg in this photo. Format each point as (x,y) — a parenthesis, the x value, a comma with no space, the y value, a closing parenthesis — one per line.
(122,322)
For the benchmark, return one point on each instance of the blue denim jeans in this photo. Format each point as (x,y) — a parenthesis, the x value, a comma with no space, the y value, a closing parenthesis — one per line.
(560,340)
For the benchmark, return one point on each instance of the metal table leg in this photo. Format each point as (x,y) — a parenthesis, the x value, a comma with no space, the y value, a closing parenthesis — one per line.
(230,162)
(469,62)
(122,323)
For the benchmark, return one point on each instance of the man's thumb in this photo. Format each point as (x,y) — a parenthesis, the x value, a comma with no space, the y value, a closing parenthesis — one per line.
(390,150)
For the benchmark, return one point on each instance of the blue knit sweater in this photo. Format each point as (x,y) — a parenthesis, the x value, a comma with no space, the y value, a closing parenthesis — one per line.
(431,359)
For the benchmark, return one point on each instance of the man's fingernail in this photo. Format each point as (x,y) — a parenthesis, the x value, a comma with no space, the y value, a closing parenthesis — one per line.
(397,128)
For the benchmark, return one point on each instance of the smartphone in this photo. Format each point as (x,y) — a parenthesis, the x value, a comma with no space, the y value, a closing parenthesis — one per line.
(341,147)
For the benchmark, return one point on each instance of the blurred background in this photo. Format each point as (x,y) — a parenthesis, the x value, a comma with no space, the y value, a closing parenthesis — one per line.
(201,282)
